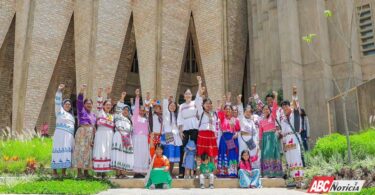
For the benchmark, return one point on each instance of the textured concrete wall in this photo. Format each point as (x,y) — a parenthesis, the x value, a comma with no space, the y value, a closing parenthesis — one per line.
(6,76)
(98,49)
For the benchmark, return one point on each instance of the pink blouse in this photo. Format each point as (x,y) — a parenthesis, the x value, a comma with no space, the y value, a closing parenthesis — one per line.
(140,124)
(246,165)
(225,123)
(268,124)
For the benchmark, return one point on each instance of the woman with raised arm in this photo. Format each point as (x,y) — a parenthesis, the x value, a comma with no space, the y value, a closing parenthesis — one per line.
(140,139)
(103,135)
(122,158)
(63,138)
(170,138)
(82,156)
(207,127)
(187,122)
(270,153)
(248,138)
(228,148)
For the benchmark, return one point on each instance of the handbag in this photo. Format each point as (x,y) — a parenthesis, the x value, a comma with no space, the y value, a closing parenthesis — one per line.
(169,138)
(230,144)
(250,143)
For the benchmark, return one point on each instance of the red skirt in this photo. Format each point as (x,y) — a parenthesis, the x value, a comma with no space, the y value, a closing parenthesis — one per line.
(206,143)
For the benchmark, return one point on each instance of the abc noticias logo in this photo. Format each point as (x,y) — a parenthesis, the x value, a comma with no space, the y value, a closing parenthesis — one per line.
(325,184)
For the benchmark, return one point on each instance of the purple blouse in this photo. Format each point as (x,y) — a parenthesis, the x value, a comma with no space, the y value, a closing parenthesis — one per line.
(84,117)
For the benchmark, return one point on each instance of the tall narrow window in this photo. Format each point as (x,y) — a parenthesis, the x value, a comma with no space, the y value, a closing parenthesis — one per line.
(191,65)
(366,29)
(135,68)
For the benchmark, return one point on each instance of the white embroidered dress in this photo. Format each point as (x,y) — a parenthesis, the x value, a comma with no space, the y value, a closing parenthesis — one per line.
(103,140)
(63,138)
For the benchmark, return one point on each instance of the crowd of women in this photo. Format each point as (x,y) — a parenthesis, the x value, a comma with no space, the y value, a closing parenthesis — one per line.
(229,140)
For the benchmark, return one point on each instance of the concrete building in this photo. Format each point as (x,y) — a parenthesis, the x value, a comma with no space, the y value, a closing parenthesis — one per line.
(161,45)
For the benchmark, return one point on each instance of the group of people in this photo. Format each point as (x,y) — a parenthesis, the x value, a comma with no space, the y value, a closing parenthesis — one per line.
(147,139)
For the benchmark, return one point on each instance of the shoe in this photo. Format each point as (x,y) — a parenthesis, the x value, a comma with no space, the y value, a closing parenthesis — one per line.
(165,186)
(212,186)
(139,176)
(202,186)
(152,187)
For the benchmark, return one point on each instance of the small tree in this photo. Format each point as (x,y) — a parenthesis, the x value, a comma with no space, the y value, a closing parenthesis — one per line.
(348,44)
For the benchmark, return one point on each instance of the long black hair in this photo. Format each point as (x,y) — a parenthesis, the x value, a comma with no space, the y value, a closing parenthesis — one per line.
(173,114)
(243,152)
(204,101)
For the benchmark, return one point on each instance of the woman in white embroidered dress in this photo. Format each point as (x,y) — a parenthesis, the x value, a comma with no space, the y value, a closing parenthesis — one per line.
(122,158)
(63,138)
(103,135)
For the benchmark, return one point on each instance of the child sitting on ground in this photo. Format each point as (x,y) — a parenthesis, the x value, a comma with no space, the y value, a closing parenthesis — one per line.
(159,175)
(248,177)
(207,169)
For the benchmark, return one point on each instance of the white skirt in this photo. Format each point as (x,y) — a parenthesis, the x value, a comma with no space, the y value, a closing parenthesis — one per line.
(102,149)
(243,146)
(141,154)
(121,157)
(293,156)
(63,143)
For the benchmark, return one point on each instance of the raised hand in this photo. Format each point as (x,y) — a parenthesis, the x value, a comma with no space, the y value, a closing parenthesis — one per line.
(199,79)
(254,89)
(100,91)
(83,88)
(275,94)
(61,87)
(108,90)
(202,90)
(137,92)
(294,90)
(123,95)
(148,96)
(170,98)
(239,98)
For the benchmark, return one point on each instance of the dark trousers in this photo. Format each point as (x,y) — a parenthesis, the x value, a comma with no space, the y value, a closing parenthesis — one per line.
(188,134)
(304,140)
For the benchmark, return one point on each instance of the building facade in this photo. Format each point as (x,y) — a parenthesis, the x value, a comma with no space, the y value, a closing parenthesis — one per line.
(161,46)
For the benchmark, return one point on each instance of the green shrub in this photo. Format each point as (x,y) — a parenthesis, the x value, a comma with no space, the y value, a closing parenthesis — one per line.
(67,186)
(362,145)
(39,149)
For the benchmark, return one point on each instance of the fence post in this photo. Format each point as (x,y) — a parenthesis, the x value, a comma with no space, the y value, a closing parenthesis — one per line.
(358,110)
(329,118)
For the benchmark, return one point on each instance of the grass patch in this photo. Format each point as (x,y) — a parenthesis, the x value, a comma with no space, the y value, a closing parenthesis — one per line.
(362,145)
(67,186)
(14,154)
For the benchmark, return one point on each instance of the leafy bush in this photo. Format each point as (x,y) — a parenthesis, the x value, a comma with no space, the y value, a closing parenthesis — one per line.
(362,145)
(67,186)
(15,153)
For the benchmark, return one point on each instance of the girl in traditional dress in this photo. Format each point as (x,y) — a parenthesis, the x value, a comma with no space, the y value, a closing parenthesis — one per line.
(63,139)
(156,126)
(208,120)
(140,139)
(249,177)
(228,147)
(122,158)
(159,175)
(187,122)
(104,134)
(82,156)
(249,134)
(170,138)
(270,153)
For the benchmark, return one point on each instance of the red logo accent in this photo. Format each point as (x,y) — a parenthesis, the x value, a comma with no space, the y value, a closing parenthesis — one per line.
(320,184)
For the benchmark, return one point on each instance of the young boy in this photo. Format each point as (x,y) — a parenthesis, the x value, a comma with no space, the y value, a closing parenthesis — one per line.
(159,176)
(207,169)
